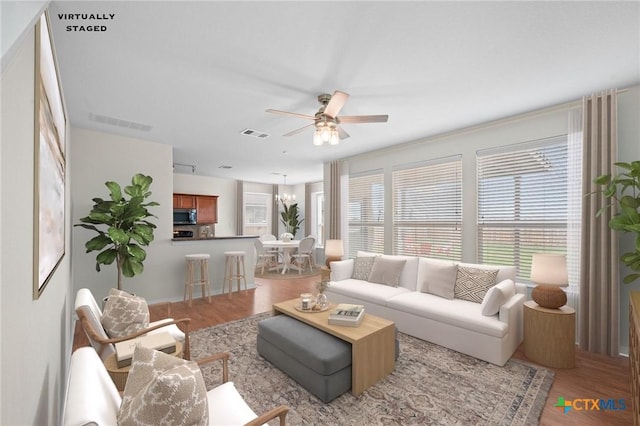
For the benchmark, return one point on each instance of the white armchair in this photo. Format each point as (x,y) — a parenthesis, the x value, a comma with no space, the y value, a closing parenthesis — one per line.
(92,397)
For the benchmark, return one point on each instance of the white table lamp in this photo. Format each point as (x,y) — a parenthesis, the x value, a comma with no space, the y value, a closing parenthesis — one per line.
(333,251)
(549,272)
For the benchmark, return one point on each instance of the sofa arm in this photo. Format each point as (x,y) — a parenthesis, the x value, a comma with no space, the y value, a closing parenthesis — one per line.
(512,313)
(341,269)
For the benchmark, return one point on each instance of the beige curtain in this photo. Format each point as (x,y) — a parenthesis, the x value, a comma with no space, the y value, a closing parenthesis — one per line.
(333,216)
(240,207)
(598,314)
(275,217)
(307,210)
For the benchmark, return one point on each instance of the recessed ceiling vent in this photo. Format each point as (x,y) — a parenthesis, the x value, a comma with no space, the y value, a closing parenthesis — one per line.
(224,167)
(255,133)
(98,118)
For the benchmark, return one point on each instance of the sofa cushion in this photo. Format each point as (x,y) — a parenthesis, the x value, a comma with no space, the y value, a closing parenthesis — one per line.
(124,314)
(497,296)
(439,278)
(504,272)
(387,270)
(362,267)
(473,283)
(456,312)
(365,291)
(163,389)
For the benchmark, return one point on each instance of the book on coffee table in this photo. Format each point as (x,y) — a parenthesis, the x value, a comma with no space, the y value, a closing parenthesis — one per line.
(347,314)
(163,342)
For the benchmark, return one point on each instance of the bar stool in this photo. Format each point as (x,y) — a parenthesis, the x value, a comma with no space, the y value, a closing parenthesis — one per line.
(234,261)
(194,262)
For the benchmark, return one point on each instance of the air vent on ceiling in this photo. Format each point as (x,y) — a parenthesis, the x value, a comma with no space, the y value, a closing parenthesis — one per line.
(224,167)
(255,133)
(98,118)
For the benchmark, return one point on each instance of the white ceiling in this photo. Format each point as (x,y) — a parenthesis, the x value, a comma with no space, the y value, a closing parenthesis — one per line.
(198,73)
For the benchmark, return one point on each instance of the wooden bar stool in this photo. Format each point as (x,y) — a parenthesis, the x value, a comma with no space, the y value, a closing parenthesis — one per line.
(195,262)
(234,269)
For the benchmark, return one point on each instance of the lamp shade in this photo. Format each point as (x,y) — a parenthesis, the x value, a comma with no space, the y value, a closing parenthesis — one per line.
(549,269)
(333,250)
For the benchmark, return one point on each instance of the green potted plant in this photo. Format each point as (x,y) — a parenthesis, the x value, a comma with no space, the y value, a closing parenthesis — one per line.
(124,227)
(624,190)
(290,218)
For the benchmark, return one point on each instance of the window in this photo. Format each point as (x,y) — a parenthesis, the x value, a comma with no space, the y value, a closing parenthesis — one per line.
(257,213)
(522,202)
(318,217)
(427,209)
(365,213)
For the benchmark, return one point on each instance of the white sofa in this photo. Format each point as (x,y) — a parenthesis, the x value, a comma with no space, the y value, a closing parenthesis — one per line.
(453,323)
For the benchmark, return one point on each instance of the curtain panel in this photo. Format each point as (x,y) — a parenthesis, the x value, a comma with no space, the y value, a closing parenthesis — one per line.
(335,195)
(599,284)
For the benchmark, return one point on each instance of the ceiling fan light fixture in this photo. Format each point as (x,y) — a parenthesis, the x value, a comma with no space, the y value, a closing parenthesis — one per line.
(317,139)
(334,139)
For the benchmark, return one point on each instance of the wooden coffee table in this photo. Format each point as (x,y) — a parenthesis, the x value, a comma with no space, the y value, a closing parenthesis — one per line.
(372,342)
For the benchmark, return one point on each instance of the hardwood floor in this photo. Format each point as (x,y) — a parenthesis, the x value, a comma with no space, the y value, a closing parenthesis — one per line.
(595,376)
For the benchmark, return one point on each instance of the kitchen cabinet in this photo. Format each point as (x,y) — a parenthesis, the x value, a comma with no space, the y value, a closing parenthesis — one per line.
(184,201)
(207,208)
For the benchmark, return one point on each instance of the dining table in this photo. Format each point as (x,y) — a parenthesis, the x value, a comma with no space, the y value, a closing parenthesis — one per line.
(287,247)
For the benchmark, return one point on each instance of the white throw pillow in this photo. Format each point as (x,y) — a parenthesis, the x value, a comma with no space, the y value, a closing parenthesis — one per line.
(386,271)
(163,390)
(124,314)
(440,278)
(497,296)
(362,267)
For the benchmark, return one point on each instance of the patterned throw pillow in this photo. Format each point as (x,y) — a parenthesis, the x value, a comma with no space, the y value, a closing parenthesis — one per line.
(472,283)
(362,267)
(124,314)
(163,390)
(386,271)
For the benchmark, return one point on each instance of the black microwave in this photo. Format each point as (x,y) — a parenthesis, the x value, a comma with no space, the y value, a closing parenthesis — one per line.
(184,216)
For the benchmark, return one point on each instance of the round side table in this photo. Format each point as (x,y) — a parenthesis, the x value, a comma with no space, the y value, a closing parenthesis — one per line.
(119,374)
(550,335)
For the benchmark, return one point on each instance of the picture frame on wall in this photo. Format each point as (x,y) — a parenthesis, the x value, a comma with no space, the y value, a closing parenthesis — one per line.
(49,161)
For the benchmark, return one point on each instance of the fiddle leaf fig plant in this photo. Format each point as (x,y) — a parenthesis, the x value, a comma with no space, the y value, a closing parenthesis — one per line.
(290,218)
(623,189)
(122,225)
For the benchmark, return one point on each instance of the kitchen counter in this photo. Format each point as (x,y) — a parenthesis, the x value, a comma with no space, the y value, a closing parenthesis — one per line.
(215,238)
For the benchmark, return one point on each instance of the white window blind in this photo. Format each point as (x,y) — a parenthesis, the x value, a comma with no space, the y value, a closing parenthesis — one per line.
(366,213)
(427,209)
(257,213)
(522,202)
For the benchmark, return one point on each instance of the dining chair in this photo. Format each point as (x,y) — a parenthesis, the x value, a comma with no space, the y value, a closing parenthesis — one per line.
(304,255)
(264,257)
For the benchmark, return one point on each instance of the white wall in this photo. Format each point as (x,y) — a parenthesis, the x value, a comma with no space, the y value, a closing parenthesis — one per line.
(36,334)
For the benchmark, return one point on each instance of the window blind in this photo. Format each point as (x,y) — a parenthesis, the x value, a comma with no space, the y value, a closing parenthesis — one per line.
(257,213)
(366,213)
(427,209)
(522,202)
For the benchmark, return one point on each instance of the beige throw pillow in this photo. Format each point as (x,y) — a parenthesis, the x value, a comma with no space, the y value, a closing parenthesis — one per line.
(163,390)
(386,271)
(362,267)
(440,278)
(124,314)
(472,284)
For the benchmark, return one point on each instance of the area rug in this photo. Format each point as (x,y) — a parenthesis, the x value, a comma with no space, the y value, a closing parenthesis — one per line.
(430,385)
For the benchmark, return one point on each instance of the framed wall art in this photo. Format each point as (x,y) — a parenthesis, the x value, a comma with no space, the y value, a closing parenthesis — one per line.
(49,162)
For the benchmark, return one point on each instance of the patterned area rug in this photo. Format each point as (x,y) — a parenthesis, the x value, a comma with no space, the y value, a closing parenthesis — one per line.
(431,385)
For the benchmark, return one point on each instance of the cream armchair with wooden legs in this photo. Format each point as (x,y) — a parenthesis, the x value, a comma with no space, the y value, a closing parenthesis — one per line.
(92,397)
(90,314)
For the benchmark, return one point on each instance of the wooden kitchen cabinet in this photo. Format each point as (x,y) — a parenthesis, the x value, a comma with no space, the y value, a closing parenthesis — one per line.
(207,208)
(184,201)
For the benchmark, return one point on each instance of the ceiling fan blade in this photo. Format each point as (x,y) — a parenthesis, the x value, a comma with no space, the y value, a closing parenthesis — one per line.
(293,114)
(301,129)
(336,103)
(341,133)
(364,119)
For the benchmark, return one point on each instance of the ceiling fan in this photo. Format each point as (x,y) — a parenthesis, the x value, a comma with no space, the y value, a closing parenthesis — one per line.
(326,120)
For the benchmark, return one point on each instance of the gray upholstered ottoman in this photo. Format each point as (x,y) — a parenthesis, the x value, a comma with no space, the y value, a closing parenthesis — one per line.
(316,360)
